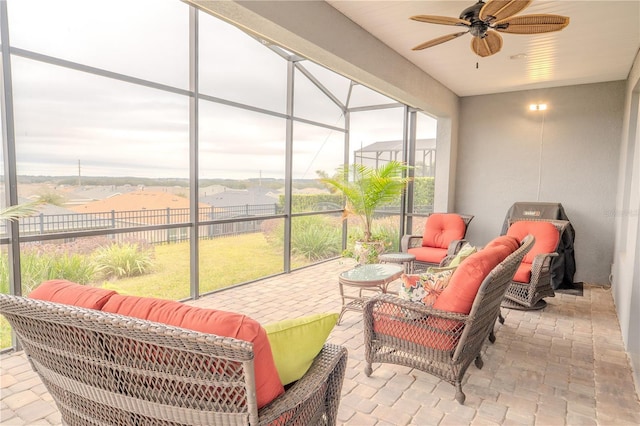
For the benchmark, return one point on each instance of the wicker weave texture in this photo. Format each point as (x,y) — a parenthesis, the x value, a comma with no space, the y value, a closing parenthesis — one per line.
(107,369)
(441,343)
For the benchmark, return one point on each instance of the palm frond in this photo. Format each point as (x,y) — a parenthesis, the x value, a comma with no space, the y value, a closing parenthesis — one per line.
(19,210)
(366,188)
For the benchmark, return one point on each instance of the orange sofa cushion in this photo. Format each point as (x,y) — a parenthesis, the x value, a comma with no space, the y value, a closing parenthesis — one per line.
(441,229)
(546,235)
(221,323)
(428,254)
(70,293)
(465,282)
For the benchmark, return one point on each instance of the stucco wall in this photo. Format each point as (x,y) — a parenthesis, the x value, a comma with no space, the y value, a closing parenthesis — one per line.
(500,162)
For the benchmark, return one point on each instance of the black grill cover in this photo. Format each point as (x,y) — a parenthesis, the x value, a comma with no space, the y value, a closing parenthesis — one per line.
(563,267)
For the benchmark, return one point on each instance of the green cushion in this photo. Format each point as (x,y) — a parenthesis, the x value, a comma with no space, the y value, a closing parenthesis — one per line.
(296,342)
(465,251)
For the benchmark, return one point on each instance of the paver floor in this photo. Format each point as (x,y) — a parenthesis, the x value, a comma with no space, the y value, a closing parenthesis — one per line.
(564,365)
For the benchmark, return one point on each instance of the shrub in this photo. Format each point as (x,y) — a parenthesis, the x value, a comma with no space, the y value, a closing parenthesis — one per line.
(37,266)
(312,237)
(122,260)
(315,238)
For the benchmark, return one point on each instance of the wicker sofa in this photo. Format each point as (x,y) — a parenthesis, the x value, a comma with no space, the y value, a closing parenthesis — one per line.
(111,369)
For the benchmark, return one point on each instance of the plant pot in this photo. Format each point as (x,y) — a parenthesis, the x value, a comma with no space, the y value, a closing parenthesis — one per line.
(367,251)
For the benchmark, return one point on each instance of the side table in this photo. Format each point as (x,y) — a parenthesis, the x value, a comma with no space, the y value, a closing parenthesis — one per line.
(373,277)
(405,259)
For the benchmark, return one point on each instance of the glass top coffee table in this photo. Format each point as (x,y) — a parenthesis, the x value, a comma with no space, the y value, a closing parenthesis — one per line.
(374,277)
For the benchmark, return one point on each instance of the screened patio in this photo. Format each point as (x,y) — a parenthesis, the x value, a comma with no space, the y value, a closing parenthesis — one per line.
(176,124)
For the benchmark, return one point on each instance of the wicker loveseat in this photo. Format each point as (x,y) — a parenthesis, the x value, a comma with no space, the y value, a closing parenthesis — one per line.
(445,338)
(110,369)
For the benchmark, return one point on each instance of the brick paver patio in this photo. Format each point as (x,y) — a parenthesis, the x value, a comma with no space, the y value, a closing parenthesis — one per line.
(564,365)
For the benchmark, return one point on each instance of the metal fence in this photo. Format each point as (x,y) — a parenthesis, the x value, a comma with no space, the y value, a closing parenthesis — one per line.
(72,222)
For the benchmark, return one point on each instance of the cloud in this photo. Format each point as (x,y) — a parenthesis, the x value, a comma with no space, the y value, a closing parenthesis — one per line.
(115,128)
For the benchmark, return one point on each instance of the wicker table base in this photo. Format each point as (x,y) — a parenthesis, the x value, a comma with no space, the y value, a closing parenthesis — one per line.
(373,277)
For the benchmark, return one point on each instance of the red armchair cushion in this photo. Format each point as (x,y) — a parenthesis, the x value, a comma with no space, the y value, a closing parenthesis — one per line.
(546,235)
(221,323)
(523,274)
(428,254)
(69,293)
(441,229)
(465,282)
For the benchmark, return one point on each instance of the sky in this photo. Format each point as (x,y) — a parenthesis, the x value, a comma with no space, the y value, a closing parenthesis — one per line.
(115,128)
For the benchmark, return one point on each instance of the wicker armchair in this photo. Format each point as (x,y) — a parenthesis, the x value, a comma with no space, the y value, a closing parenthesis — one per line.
(528,294)
(104,368)
(437,342)
(451,242)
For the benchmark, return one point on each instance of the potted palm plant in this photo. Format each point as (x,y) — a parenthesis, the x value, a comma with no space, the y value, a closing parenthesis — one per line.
(366,189)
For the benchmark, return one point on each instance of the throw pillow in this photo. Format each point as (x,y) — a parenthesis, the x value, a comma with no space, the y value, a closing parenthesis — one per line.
(465,251)
(296,342)
(424,288)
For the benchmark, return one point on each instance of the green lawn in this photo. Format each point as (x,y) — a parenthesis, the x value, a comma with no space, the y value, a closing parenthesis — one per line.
(223,262)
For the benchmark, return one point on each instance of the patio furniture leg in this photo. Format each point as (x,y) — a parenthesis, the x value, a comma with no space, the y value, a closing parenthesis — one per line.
(368,370)
(460,396)
(479,363)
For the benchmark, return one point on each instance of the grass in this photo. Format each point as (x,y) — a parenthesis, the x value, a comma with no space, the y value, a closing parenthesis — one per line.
(223,262)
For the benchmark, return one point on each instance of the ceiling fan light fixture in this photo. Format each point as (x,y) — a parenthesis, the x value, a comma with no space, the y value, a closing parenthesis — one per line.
(537,107)
(484,20)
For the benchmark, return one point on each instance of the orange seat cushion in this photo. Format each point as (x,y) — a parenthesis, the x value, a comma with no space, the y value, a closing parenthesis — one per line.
(523,274)
(428,254)
(221,323)
(466,280)
(431,332)
(546,235)
(70,293)
(441,229)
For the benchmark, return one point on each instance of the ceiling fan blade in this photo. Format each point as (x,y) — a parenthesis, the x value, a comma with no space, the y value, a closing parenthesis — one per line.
(532,24)
(438,40)
(487,46)
(442,20)
(502,9)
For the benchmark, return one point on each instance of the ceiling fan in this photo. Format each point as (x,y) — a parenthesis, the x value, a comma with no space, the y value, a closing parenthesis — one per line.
(485,20)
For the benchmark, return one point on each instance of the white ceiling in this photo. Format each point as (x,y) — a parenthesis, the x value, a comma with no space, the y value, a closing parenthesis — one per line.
(600,44)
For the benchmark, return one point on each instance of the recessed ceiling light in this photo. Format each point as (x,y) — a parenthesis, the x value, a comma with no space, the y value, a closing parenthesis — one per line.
(519,56)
